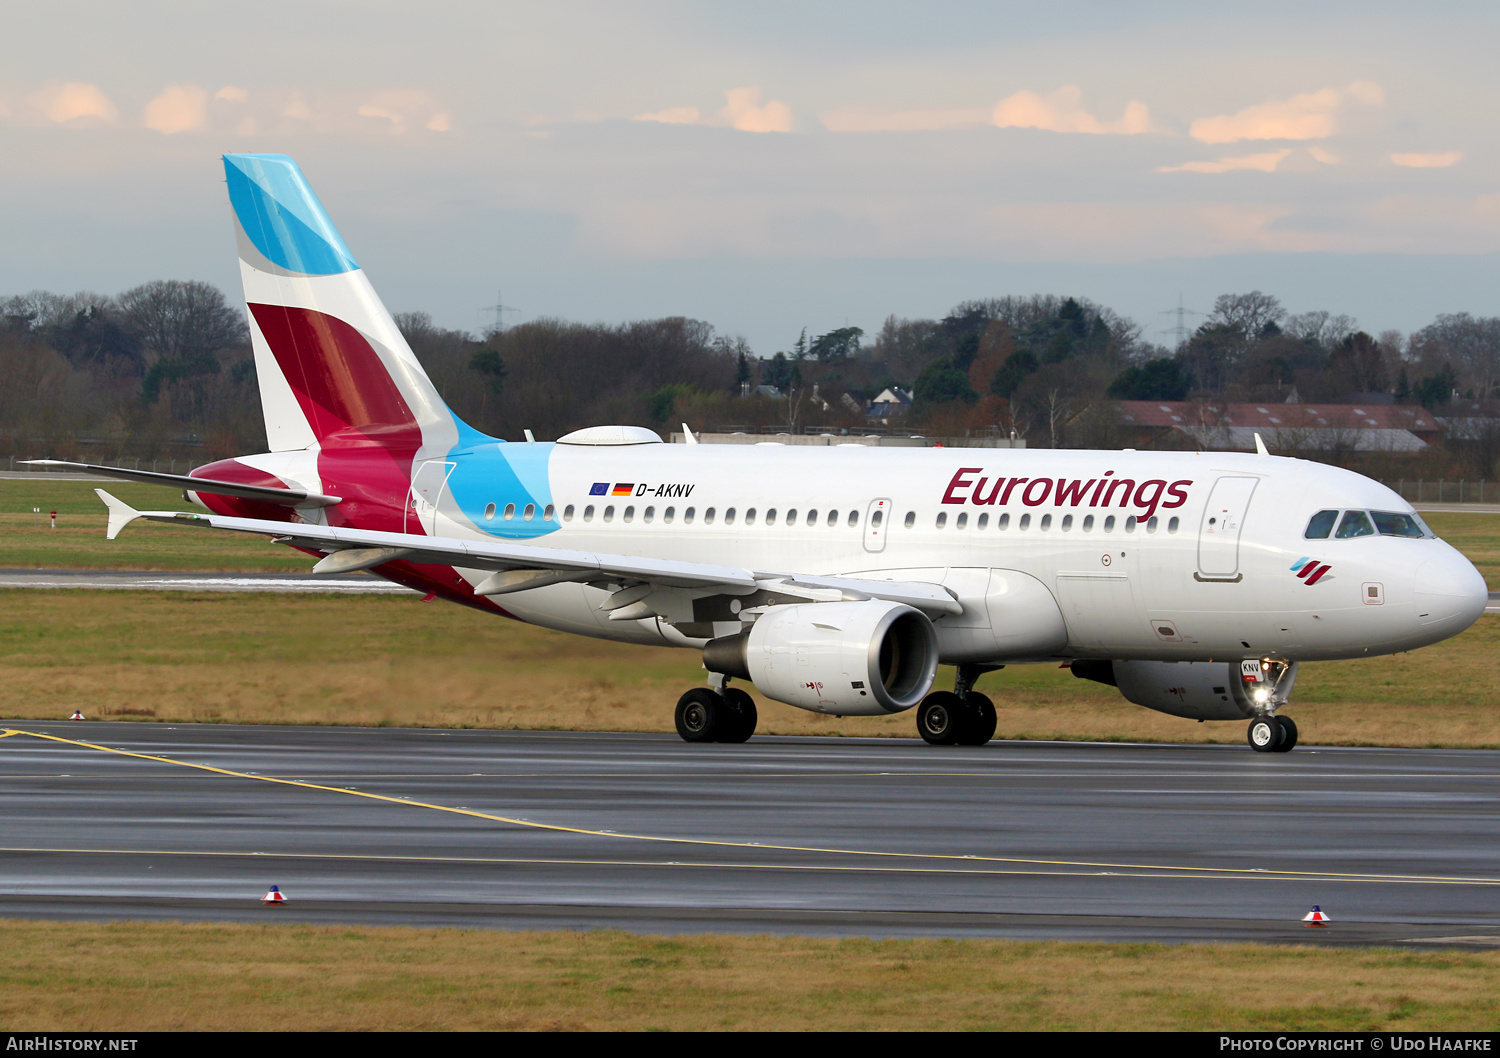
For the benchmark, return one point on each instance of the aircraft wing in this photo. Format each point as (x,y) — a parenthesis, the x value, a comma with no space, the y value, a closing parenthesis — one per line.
(519,566)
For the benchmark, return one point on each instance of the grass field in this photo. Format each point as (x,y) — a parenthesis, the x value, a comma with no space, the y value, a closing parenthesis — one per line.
(395,660)
(128,977)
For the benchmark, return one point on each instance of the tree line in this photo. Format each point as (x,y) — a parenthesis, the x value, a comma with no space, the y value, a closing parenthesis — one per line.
(166,369)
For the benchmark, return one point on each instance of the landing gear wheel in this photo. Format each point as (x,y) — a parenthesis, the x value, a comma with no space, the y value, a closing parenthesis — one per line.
(739,716)
(941,718)
(701,715)
(980,720)
(1288,734)
(1265,734)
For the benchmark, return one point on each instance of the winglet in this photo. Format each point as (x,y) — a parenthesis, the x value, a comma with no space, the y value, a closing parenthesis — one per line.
(1260,447)
(687,435)
(121,514)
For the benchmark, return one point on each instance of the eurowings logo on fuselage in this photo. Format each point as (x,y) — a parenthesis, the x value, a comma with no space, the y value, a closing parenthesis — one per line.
(1310,570)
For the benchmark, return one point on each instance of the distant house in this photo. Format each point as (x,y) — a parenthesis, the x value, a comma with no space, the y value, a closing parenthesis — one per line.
(891,403)
(1287,429)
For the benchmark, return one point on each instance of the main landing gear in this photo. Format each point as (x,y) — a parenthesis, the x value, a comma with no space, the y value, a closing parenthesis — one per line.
(961,717)
(1272,734)
(708,715)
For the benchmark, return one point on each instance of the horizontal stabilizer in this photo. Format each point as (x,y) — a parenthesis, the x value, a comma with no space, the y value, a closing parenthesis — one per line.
(265,494)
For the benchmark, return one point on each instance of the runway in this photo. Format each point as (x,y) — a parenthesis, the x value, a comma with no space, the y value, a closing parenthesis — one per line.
(831,836)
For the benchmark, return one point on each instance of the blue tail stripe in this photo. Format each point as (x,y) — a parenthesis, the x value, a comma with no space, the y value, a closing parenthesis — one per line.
(282,217)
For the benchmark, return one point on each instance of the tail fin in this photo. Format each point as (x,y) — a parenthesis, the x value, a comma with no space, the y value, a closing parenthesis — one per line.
(333,368)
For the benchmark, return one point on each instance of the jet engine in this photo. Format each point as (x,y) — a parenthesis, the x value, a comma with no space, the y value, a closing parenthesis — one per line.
(847,658)
(1197,690)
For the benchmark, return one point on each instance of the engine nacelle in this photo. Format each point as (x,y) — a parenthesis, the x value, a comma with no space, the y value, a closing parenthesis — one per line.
(848,658)
(1197,690)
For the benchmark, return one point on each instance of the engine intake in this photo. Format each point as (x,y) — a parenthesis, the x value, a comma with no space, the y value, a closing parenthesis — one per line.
(849,658)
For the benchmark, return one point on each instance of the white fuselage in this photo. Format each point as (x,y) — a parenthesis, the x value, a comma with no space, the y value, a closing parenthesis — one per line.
(1199,568)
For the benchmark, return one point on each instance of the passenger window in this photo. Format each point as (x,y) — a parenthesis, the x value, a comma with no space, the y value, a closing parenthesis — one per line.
(1355,523)
(942,519)
(687,515)
(877,518)
(1088,523)
(1130,524)
(1024,523)
(812,517)
(510,511)
(750,516)
(911,519)
(489,512)
(609,513)
(963,521)
(1321,525)
(771,516)
(1067,522)
(568,513)
(1045,523)
(530,512)
(791,516)
(708,516)
(1392,524)
(833,519)
(1109,524)
(729,516)
(1173,523)
(588,513)
(648,514)
(549,513)
(853,519)
(668,514)
(630,514)
(1004,522)
(984,520)
(1151,523)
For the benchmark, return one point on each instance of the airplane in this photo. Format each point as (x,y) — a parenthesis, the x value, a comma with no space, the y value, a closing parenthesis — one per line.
(835,579)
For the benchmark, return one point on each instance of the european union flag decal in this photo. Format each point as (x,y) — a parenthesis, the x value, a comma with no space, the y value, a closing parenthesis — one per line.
(600,488)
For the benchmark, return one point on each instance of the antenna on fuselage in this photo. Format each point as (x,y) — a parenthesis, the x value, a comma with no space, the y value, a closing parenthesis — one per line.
(1260,447)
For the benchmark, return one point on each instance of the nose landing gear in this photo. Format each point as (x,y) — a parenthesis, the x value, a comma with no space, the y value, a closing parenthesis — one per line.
(961,717)
(1272,734)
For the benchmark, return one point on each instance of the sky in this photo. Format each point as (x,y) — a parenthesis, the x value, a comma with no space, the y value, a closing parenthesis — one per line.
(773,166)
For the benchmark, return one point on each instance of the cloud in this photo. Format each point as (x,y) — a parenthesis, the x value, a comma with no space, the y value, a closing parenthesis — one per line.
(179,108)
(1439,160)
(232,94)
(1309,116)
(297,109)
(1326,157)
(403,108)
(673,116)
(1265,163)
(73,103)
(742,110)
(864,119)
(1062,111)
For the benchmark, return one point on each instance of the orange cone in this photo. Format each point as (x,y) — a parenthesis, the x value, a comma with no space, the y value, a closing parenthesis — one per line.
(1315,917)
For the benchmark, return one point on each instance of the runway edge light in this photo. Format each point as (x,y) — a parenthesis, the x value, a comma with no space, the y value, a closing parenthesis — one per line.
(275,896)
(1315,917)
(77,715)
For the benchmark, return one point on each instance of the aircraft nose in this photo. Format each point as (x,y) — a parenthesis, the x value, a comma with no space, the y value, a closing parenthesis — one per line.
(1450,593)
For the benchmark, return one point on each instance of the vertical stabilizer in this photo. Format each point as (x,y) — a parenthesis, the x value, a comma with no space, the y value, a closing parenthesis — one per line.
(333,368)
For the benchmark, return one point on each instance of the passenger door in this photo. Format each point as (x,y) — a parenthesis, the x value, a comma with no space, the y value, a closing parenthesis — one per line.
(877,524)
(426,491)
(1219,532)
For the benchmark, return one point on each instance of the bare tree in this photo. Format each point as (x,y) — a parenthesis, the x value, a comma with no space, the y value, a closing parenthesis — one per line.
(1247,313)
(183,321)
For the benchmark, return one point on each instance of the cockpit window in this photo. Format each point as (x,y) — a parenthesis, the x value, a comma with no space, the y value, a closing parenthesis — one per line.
(1392,524)
(1321,525)
(1355,523)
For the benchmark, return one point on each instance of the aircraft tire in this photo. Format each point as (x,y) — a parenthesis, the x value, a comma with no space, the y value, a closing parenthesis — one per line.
(979,726)
(1264,734)
(701,715)
(740,716)
(941,718)
(1288,734)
